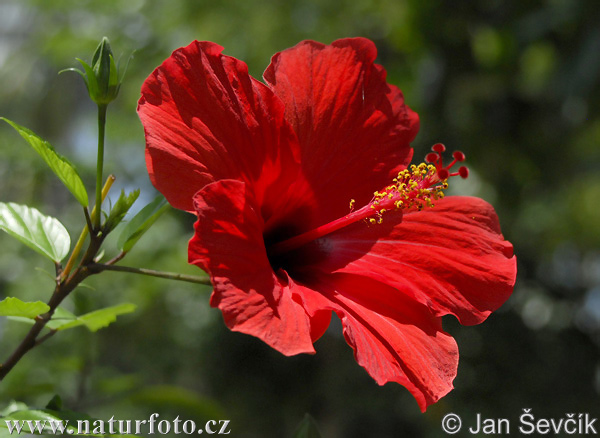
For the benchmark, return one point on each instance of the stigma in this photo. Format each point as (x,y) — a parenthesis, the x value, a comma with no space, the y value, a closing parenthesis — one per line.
(418,186)
(413,189)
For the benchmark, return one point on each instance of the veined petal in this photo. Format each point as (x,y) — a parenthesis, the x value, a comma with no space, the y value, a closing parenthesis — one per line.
(452,258)
(353,128)
(393,337)
(206,119)
(228,244)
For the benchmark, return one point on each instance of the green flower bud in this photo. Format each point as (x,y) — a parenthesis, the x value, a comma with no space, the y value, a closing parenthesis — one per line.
(106,72)
(102,78)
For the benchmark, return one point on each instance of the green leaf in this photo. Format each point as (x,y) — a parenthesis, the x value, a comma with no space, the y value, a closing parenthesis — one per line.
(25,421)
(44,417)
(100,255)
(124,71)
(46,273)
(60,318)
(113,78)
(307,428)
(94,321)
(15,307)
(141,222)
(55,403)
(90,78)
(120,209)
(59,165)
(98,319)
(74,70)
(44,234)
(13,406)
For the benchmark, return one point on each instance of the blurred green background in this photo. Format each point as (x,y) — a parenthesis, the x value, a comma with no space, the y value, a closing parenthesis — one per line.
(514,84)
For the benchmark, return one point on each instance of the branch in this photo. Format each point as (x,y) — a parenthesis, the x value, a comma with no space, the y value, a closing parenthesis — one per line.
(45,337)
(117,258)
(71,262)
(27,344)
(61,291)
(88,219)
(99,267)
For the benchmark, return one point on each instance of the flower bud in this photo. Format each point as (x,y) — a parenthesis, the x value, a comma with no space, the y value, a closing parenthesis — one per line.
(102,78)
(106,73)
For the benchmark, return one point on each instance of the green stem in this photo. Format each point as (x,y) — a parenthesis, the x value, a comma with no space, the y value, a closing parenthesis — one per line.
(98,267)
(71,262)
(100,162)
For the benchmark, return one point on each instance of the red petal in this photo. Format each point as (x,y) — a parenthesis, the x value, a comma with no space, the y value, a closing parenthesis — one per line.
(228,244)
(394,338)
(206,119)
(354,129)
(451,258)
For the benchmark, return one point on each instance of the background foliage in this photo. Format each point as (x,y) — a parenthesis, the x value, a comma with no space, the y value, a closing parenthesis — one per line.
(514,84)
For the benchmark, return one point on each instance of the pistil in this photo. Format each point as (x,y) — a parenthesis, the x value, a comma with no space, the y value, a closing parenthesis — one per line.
(413,189)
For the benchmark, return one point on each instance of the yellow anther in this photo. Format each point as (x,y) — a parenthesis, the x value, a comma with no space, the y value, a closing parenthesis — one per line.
(413,188)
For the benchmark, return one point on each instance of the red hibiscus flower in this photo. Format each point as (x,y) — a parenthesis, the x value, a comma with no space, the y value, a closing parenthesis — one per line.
(270,170)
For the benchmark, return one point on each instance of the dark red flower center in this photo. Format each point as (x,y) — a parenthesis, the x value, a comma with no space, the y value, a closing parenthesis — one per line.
(413,189)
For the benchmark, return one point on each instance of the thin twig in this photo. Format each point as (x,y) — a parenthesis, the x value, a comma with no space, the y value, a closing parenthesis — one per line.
(99,267)
(117,258)
(45,337)
(88,220)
